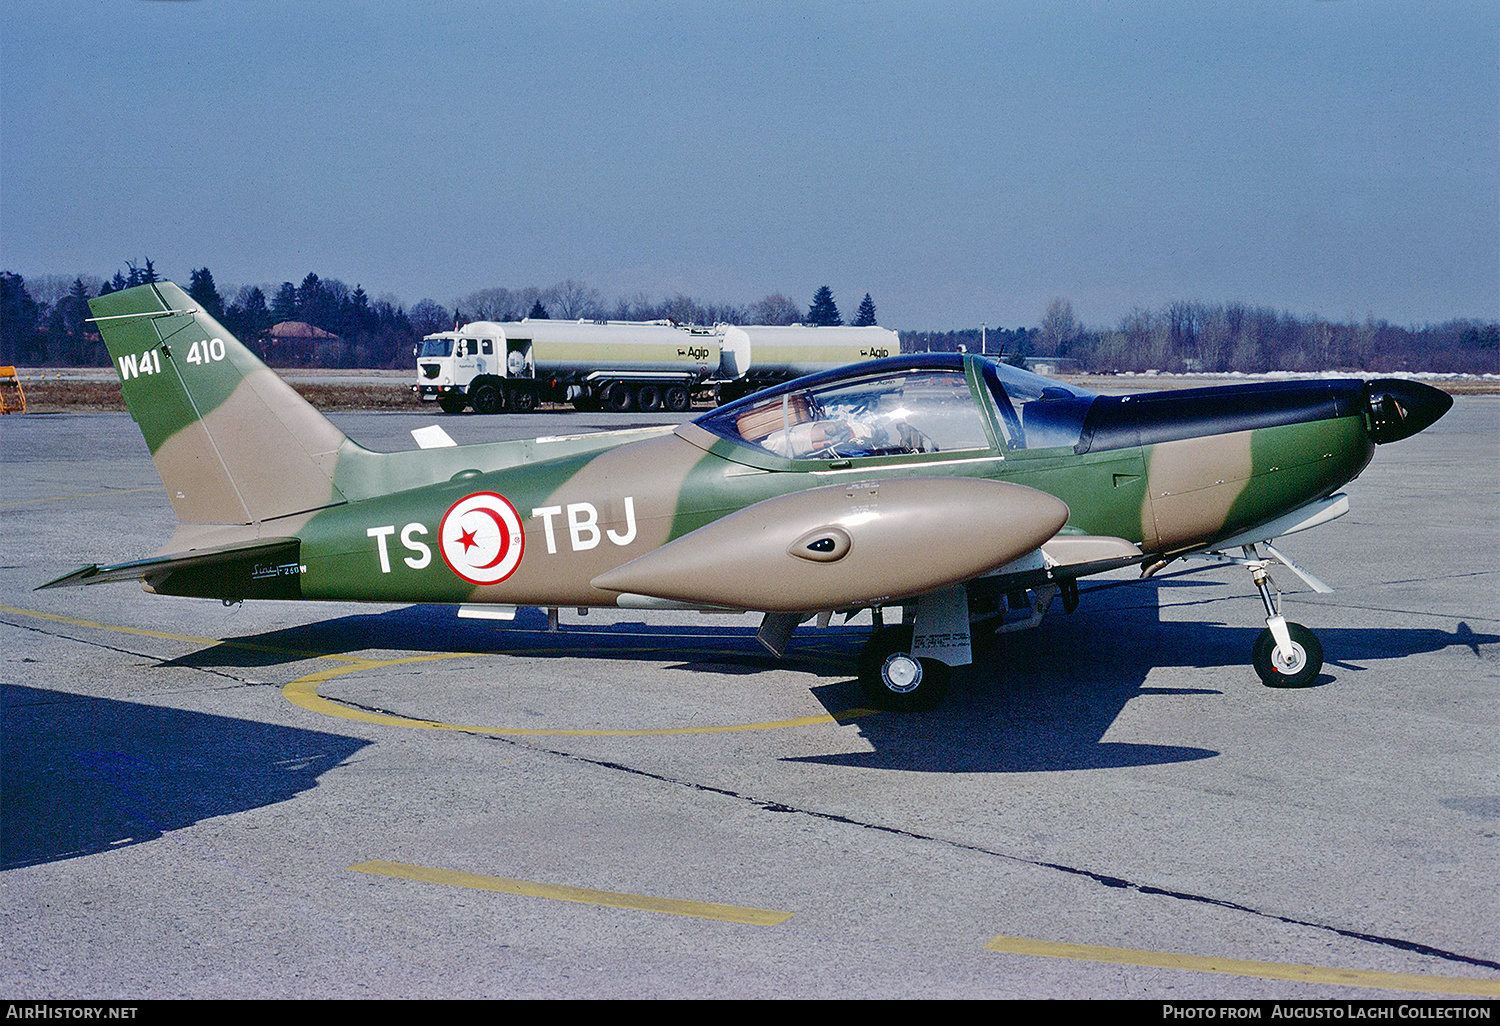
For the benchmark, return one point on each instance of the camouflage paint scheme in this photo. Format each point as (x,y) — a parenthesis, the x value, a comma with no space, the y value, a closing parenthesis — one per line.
(274,501)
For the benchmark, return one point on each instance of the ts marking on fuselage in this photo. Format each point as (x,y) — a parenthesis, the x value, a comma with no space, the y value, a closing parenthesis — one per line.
(422,554)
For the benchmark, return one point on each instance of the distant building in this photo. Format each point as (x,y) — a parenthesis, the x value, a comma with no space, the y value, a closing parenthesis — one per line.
(299,344)
(1051,365)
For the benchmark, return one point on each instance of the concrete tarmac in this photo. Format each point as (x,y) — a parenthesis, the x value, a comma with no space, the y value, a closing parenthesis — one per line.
(326,800)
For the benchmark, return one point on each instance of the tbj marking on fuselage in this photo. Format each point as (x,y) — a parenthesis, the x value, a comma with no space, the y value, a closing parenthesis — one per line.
(482,541)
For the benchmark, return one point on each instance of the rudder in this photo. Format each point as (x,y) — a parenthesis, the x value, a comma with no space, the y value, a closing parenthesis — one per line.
(233,443)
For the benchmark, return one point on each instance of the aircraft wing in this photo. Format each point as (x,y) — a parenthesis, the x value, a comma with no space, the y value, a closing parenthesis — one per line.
(844,546)
(265,568)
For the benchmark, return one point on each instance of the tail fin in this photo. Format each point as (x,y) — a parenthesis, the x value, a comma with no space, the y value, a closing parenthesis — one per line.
(233,443)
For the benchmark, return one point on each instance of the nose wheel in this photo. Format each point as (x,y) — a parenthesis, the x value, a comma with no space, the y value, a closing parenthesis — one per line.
(1286,655)
(1295,665)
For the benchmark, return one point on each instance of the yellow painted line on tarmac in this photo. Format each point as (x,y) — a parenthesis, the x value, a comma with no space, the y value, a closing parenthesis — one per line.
(87,495)
(74,621)
(1466,986)
(191,639)
(303,692)
(582,895)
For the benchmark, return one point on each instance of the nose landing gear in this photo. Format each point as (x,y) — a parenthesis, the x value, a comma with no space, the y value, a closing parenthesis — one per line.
(1286,655)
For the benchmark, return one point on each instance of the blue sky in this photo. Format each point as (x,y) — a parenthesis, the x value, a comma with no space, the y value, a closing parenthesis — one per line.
(961,162)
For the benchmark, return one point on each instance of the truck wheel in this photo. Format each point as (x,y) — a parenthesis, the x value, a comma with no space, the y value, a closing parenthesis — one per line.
(488,399)
(648,398)
(617,398)
(521,399)
(453,402)
(677,398)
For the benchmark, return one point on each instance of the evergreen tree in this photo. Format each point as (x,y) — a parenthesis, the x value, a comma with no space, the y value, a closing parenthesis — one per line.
(257,314)
(824,312)
(866,315)
(248,317)
(538,311)
(206,294)
(317,303)
(284,306)
(140,275)
(359,320)
(18,320)
(68,323)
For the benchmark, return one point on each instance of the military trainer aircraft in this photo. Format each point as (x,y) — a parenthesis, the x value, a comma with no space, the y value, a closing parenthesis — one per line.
(969,494)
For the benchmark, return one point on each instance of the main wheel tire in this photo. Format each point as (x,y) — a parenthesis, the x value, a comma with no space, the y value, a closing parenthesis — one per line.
(1300,670)
(488,399)
(648,398)
(890,677)
(453,402)
(617,398)
(678,399)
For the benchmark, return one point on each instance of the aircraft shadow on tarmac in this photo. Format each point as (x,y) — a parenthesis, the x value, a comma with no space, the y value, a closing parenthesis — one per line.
(1034,700)
(83,775)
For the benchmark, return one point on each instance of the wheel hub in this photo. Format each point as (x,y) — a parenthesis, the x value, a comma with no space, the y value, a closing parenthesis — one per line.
(901,673)
(1290,662)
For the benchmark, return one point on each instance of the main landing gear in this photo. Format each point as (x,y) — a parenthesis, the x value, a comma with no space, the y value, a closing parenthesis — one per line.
(907,666)
(890,677)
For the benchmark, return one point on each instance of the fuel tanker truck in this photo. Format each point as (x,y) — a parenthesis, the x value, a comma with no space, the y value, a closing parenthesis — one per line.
(497,366)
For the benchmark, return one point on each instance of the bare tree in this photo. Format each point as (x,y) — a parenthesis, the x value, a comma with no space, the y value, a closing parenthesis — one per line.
(493,304)
(427,317)
(1059,330)
(570,300)
(50,289)
(774,309)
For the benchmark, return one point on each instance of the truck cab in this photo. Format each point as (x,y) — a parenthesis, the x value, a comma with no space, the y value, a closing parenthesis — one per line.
(471,366)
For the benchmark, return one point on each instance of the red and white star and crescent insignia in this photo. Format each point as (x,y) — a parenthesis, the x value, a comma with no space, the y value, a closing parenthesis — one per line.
(481,538)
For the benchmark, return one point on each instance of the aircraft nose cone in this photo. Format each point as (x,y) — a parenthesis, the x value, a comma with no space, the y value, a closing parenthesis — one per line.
(1400,408)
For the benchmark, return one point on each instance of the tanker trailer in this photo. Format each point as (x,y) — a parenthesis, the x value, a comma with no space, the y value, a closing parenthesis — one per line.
(753,356)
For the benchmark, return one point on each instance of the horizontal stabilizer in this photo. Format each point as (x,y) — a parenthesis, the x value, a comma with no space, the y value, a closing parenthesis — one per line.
(844,546)
(268,568)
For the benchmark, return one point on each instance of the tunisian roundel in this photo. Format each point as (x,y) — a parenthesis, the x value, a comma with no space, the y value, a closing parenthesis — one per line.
(481,538)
